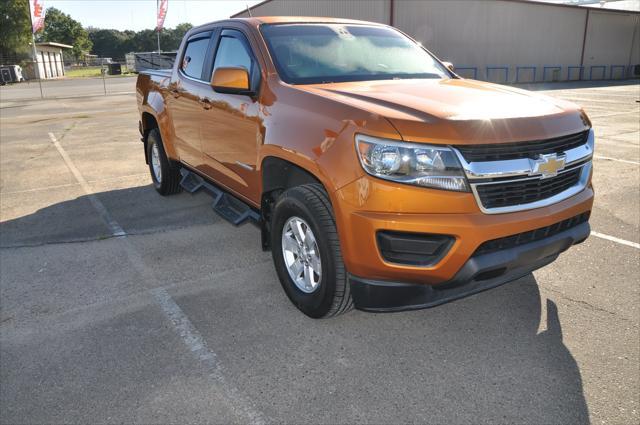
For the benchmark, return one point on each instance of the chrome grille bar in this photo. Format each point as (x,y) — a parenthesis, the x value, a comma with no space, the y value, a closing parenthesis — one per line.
(507,173)
(522,166)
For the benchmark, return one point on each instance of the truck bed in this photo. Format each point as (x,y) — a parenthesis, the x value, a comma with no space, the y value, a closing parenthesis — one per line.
(157,72)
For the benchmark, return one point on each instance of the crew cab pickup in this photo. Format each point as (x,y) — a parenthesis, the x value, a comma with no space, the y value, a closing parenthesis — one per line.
(380,178)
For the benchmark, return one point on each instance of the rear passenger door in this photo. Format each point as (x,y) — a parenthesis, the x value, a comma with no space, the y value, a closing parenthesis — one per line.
(231,132)
(189,84)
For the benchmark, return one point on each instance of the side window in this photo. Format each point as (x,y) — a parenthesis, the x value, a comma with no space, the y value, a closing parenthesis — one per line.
(232,53)
(194,56)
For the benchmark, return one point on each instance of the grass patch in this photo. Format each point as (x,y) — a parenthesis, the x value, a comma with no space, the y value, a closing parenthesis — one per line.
(91,71)
(83,72)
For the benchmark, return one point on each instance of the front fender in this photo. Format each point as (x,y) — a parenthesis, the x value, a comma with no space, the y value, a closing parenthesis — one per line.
(152,104)
(318,134)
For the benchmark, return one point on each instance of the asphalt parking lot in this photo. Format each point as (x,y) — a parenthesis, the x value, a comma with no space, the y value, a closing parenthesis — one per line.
(68,88)
(183,318)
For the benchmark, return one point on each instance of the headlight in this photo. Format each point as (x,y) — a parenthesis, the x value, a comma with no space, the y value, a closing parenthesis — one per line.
(411,163)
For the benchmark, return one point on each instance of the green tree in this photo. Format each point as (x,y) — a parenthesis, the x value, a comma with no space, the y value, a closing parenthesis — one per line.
(116,44)
(62,28)
(15,34)
(15,29)
(108,43)
(172,42)
(145,41)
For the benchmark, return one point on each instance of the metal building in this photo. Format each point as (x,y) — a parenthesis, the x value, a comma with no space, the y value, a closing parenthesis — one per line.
(49,59)
(499,40)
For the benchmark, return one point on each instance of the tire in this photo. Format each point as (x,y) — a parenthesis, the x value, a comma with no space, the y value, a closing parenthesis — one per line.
(308,205)
(166,178)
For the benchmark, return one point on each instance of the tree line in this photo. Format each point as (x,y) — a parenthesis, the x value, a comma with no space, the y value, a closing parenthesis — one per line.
(59,27)
(115,44)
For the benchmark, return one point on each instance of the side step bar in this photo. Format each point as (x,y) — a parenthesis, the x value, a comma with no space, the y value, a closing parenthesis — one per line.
(226,205)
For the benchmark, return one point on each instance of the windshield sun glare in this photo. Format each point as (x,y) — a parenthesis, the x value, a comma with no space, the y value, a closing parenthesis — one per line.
(323,53)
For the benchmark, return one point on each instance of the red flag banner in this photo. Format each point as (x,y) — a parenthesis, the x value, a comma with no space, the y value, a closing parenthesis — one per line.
(37,15)
(162,13)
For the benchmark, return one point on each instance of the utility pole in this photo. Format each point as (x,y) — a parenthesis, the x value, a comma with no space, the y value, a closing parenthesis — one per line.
(36,68)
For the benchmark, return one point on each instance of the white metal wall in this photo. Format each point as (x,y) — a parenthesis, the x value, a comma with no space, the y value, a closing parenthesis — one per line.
(41,67)
(635,47)
(479,34)
(50,62)
(496,33)
(609,42)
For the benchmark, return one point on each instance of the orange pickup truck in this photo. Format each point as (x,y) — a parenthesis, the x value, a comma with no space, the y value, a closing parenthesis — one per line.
(380,179)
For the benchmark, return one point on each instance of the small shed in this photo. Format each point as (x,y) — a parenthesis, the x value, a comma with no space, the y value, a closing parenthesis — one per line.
(50,60)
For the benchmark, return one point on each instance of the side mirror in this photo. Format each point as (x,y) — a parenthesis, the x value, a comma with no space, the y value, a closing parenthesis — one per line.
(449,66)
(232,80)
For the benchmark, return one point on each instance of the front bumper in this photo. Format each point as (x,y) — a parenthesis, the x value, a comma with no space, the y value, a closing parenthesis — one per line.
(362,209)
(478,274)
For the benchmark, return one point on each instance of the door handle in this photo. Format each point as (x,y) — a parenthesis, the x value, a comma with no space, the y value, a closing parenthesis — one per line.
(205,103)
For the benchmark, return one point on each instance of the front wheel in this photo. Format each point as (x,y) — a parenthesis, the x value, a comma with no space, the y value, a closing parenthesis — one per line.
(306,252)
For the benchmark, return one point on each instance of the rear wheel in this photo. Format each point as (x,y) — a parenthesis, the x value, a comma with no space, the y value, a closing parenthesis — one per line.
(165,174)
(306,252)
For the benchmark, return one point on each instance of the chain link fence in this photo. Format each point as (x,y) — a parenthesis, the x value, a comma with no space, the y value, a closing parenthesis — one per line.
(64,81)
(90,76)
(58,76)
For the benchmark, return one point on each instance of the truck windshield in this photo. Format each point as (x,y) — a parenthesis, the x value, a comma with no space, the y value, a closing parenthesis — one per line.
(324,53)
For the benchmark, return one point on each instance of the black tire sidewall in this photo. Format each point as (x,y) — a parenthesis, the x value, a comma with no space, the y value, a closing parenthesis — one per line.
(318,303)
(154,139)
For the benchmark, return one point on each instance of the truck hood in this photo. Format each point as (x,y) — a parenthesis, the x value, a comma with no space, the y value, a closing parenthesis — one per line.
(459,111)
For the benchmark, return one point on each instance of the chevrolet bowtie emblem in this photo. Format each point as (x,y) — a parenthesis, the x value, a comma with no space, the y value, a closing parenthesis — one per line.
(548,165)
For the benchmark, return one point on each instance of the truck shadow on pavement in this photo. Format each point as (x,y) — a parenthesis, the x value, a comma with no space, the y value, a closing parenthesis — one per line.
(137,210)
(476,360)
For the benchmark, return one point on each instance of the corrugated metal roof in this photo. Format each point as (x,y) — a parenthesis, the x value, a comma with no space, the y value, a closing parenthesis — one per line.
(609,5)
(52,44)
(619,5)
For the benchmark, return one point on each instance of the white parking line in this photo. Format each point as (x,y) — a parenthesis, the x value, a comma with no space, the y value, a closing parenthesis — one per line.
(59,186)
(113,225)
(607,158)
(39,189)
(614,114)
(189,334)
(192,338)
(616,240)
(198,346)
(183,326)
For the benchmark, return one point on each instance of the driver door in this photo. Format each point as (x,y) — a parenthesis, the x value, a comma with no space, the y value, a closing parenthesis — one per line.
(231,132)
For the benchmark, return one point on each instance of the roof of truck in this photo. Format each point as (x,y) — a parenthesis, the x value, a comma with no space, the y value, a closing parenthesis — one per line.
(301,19)
(258,20)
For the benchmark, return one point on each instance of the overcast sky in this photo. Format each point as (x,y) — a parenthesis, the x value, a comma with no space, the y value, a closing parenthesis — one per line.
(141,14)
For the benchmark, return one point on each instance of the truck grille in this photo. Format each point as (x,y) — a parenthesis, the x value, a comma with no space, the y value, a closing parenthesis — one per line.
(530,236)
(503,151)
(525,191)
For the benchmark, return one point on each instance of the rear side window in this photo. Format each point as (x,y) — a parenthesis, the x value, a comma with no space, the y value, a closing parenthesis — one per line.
(194,55)
(232,53)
